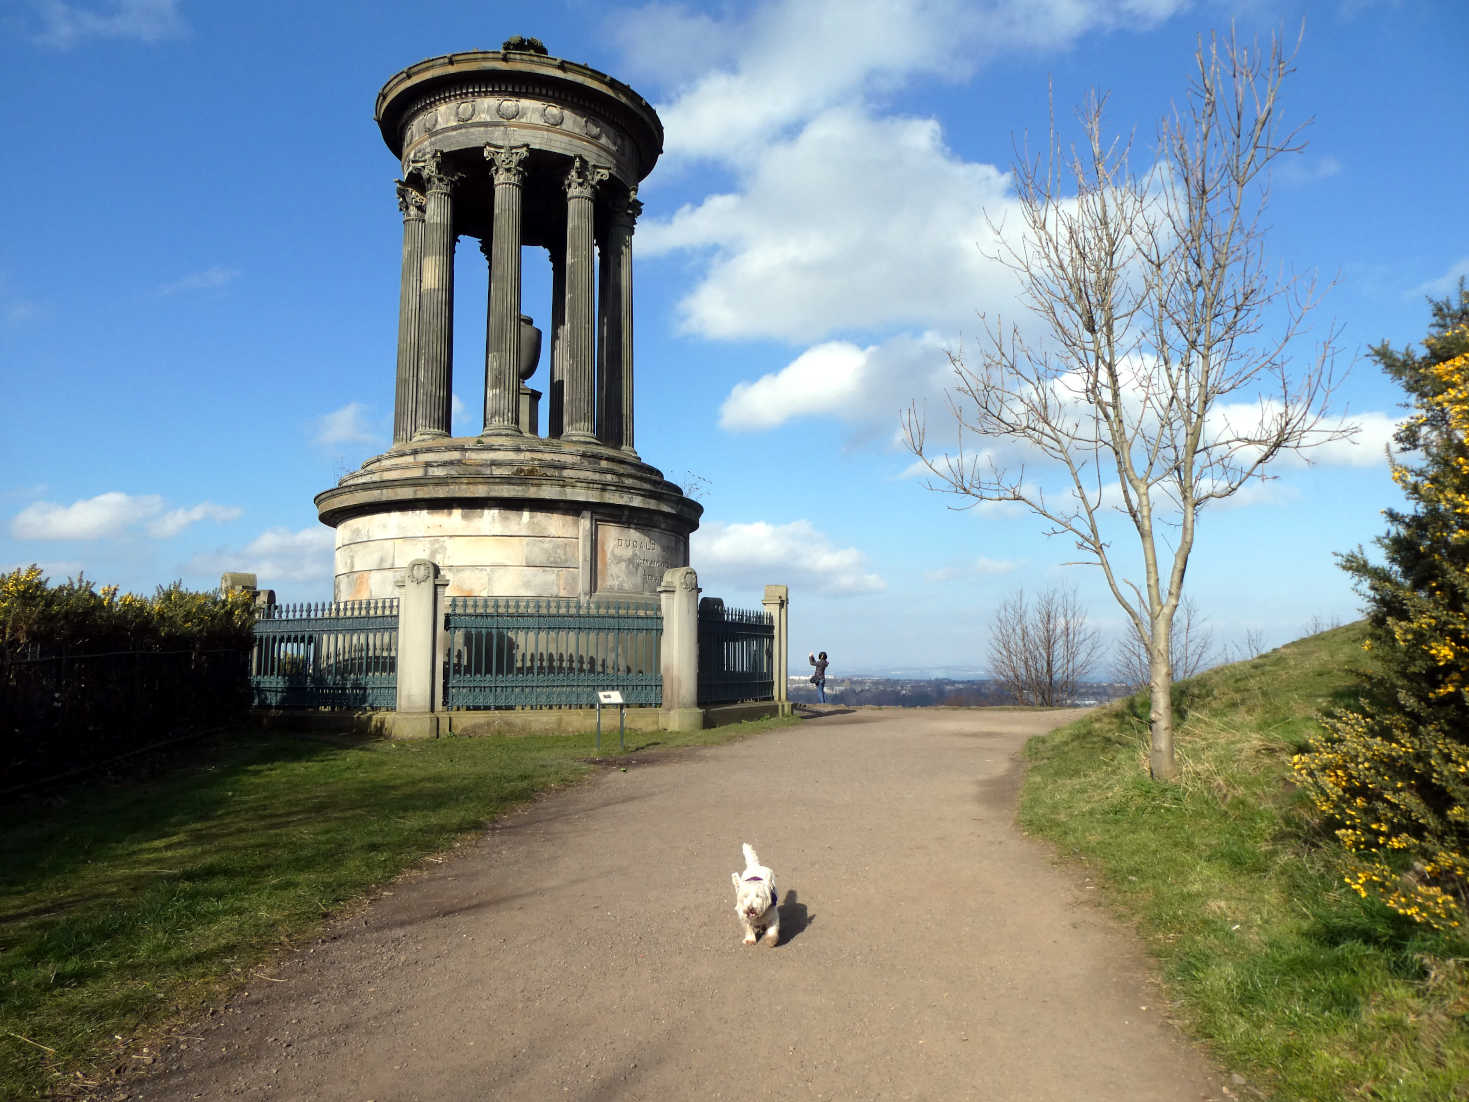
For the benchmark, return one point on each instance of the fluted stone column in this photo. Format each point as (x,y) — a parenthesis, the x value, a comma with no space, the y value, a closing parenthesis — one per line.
(581,321)
(556,415)
(435,302)
(405,401)
(617,384)
(601,397)
(502,343)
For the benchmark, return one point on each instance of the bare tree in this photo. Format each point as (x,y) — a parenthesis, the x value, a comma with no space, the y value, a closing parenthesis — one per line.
(1040,651)
(1155,388)
(1192,649)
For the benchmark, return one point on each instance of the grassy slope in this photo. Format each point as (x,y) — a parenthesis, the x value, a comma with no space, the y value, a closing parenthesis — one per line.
(124,907)
(1309,991)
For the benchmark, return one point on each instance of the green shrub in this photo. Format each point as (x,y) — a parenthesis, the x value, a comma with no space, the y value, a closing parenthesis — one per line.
(1390,775)
(87,674)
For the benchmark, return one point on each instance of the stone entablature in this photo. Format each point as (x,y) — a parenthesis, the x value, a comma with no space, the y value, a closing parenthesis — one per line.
(473,86)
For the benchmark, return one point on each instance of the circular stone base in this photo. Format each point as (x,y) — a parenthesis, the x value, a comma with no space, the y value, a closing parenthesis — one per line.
(522,517)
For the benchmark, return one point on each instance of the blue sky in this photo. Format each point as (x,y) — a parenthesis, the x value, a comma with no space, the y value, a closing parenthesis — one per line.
(199,281)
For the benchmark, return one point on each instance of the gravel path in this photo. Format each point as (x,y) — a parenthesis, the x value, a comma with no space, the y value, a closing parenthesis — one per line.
(587,947)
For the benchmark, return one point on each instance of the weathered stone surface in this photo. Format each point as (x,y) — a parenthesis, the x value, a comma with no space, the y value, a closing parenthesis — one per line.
(516,149)
(634,560)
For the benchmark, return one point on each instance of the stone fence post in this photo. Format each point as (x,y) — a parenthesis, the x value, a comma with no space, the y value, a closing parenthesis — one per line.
(419,615)
(679,597)
(777,602)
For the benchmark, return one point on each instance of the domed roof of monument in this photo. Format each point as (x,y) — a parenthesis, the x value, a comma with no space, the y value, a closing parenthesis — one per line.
(522,66)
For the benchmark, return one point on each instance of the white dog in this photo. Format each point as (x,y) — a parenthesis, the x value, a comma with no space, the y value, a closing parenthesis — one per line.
(755,899)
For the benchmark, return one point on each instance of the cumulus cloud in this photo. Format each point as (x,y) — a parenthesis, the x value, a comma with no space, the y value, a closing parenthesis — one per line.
(866,388)
(275,557)
(797,58)
(111,514)
(217,276)
(797,554)
(857,223)
(348,425)
(65,24)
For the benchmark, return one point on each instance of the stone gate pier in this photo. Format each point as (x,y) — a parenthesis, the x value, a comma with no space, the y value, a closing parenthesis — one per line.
(515,148)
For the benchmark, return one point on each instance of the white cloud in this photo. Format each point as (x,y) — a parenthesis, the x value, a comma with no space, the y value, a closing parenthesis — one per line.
(276,556)
(99,517)
(65,24)
(1445,284)
(348,425)
(795,554)
(1369,448)
(176,520)
(867,389)
(110,515)
(797,58)
(822,379)
(216,276)
(857,223)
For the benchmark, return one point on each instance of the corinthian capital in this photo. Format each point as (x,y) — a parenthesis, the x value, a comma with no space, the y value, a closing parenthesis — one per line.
(410,200)
(435,176)
(506,163)
(582,179)
(624,215)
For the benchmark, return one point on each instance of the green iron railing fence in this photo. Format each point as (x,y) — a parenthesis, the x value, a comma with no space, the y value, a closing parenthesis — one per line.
(736,654)
(551,653)
(341,654)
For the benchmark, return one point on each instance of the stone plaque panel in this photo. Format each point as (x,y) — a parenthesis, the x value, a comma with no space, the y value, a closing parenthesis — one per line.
(632,560)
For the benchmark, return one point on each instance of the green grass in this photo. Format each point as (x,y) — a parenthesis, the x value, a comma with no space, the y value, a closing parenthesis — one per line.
(1295,982)
(126,907)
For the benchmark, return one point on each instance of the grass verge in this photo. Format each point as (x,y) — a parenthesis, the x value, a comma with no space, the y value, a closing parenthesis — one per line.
(129,907)
(1295,982)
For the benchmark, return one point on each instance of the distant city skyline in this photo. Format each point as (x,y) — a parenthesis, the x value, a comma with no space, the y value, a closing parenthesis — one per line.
(199,280)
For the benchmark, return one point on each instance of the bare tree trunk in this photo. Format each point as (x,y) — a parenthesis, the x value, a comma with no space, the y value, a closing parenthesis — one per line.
(1162,765)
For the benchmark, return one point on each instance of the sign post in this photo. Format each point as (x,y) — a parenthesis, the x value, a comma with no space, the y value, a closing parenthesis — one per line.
(611,696)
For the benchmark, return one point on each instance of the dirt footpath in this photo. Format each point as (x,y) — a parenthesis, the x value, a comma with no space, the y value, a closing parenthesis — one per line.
(587,947)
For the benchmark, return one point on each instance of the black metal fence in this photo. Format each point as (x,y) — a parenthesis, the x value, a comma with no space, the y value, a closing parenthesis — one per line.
(341,654)
(550,653)
(736,654)
(62,711)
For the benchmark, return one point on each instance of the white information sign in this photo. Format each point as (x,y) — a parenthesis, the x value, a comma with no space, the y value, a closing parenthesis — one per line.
(611,696)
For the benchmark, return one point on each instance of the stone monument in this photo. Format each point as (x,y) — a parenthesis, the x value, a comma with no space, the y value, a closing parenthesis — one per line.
(515,148)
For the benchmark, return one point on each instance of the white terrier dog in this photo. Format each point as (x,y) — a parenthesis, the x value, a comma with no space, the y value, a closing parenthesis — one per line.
(755,899)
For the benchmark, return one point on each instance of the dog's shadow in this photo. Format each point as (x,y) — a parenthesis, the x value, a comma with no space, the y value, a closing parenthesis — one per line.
(794,918)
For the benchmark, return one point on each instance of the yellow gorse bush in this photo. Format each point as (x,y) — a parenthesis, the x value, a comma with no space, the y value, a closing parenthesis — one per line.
(77,616)
(1390,777)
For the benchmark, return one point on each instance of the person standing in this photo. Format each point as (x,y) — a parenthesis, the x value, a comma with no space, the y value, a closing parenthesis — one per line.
(819,677)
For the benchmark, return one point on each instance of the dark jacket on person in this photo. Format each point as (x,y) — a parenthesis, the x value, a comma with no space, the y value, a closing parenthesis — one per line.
(819,677)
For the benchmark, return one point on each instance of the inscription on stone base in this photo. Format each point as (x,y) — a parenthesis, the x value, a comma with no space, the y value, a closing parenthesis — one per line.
(632,561)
